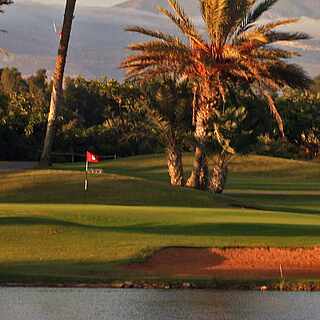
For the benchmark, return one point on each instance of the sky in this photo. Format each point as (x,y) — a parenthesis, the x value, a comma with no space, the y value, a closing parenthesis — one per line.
(91,3)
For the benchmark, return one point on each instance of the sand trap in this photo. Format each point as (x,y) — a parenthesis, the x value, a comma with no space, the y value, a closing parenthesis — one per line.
(236,263)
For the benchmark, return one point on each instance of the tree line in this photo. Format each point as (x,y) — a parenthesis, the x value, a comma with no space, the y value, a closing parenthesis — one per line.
(231,89)
(128,118)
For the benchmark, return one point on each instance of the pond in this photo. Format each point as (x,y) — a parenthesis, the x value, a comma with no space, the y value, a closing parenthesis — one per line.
(105,304)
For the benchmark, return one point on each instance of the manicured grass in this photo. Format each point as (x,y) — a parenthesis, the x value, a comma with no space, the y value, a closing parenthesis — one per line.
(51,229)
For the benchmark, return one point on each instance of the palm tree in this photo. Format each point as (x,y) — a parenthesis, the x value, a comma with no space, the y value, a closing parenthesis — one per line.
(235,49)
(4,2)
(57,88)
(167,105)
(240,124)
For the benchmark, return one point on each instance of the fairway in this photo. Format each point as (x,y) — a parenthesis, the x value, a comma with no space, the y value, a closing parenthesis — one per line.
(52,230)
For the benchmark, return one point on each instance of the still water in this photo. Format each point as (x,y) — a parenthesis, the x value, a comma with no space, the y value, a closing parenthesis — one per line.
(93,304)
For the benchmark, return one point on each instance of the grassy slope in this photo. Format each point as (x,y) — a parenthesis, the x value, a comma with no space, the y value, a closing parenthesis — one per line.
(49,227)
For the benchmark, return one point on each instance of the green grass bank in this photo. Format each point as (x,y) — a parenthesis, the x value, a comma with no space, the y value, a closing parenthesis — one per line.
(51,231)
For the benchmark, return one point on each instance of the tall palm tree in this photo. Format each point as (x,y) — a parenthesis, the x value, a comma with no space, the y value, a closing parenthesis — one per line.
(235,49)
(57,88)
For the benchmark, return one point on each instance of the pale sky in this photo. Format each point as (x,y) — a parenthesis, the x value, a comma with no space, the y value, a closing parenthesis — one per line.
(91,3)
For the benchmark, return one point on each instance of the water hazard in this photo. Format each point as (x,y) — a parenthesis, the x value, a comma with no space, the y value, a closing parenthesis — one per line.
(104,304)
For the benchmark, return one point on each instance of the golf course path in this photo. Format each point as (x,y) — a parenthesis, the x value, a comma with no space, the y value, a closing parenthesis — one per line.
(6,166)
(234,263)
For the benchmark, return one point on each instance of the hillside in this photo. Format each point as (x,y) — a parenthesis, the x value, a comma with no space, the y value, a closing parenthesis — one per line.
(98,39)
(190,6)
(285,8)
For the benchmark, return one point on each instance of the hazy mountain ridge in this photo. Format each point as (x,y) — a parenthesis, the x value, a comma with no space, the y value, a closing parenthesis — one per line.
(98,40)
(285,8)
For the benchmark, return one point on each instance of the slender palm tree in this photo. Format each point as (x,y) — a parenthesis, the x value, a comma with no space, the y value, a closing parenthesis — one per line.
(234,49)
(167,105)
(57,88)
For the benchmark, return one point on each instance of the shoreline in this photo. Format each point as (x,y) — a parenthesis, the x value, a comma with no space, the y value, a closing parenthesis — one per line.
(177,284)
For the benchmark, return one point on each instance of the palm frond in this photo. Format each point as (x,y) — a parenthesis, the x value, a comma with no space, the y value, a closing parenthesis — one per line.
(276,24)
(187,22)
(253,14)
(259,10)
(214,14)
(287,36)
(160,47)
(183,22)
(273,54)
(251,39)
(151,33)
(290,75)
(237,11)
(274,111)
(267,30)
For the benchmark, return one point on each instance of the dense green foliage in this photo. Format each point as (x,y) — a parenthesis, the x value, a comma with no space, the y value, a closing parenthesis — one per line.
(23,110)
(96,114)
(111,117)
(106,116)
(302,113)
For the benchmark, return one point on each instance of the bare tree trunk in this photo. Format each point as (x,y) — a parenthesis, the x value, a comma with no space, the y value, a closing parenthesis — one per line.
(175,166)
(57,89)
(219,173)
(199,178)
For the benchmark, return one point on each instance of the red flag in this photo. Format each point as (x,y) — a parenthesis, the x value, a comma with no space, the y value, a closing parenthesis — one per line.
(92,158)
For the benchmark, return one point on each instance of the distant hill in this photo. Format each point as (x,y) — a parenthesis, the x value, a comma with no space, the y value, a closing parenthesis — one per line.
(96,48)
(286,8)
(98,39)
(298,8)
(191,6)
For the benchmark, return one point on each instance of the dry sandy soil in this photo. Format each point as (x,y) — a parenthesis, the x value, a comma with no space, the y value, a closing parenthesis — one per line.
(236,263)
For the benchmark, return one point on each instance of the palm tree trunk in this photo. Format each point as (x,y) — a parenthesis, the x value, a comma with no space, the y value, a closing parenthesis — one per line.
(57,89)
(205,174)
(175,166)
(199,178)
(219,173)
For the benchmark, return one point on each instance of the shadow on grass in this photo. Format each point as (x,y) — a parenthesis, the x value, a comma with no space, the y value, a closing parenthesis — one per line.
(113,192)
(121,170)
(63,271)
(204,229)
(285,170)
(277,203)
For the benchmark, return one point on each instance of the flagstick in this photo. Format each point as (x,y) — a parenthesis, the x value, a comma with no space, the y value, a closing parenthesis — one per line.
(86,178)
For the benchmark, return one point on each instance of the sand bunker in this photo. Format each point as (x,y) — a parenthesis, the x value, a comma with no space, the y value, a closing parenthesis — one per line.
(235,263)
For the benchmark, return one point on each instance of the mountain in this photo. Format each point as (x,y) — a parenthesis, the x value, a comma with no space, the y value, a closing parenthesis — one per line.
(191,6)
(96,46)
(98,39)
(284,8)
